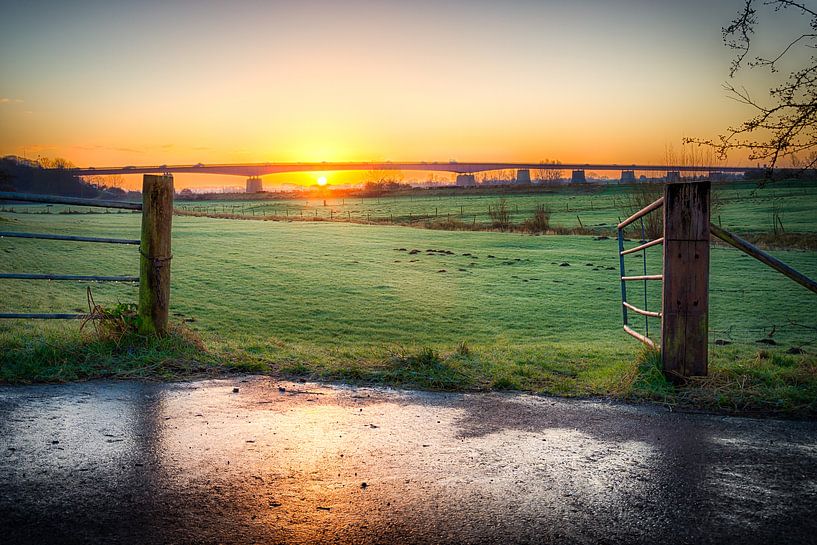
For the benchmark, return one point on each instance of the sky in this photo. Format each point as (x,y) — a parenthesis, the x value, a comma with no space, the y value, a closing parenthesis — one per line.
(147,83)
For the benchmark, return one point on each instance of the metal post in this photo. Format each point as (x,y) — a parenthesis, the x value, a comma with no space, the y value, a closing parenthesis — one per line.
(622,273)
(644,259)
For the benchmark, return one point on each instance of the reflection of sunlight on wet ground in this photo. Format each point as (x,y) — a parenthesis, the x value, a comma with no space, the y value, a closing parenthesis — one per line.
(298,462)
(86,433)
(197,462)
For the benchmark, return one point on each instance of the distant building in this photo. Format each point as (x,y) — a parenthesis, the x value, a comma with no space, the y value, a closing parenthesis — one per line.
(254,185)
(466,180)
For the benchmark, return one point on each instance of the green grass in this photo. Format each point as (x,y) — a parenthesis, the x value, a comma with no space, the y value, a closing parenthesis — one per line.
(338,301)
(743,207)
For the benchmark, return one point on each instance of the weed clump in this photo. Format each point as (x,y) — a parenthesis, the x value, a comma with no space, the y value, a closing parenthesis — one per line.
(540,222)
(428,369)
(649,381)
(500,215)
(463,349)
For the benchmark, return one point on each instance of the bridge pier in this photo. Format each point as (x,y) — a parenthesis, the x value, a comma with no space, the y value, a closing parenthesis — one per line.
(673,176)
(627,176)
(578,177)
(523,176)
(254,185)
(466,180)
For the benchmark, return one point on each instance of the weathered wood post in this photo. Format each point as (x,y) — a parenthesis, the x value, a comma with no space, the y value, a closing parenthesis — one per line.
(154,269)
(685,300)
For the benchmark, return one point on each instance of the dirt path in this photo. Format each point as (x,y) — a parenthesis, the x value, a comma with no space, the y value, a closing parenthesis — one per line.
(128,462)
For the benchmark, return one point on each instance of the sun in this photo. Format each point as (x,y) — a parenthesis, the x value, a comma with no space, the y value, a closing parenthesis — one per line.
(322,181)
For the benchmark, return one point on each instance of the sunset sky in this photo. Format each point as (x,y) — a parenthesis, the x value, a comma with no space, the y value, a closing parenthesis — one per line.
(110,83)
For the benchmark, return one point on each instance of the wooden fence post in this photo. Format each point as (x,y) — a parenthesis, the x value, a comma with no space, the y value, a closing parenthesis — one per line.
(685,298)
(154,267)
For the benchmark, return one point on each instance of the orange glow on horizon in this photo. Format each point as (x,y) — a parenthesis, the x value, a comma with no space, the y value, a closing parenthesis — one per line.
(406,81)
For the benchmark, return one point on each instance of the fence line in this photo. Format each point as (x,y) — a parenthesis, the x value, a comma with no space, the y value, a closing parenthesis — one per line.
(154,251)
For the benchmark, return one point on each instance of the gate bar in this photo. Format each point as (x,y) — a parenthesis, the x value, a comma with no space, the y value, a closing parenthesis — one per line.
(28,276)
(643,277)
(641,311)
(646,340)
(58,199)
(622,272)
(643,212)
(763,257)
(643,246)
(67,237)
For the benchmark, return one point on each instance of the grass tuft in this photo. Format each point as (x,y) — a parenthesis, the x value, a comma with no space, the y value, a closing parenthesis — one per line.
(69,357)
(649,381)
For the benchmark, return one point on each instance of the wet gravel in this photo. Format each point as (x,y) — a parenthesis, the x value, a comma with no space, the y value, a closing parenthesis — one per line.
(256,460)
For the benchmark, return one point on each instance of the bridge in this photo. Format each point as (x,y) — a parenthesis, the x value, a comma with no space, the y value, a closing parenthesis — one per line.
(464,171)
(261,169)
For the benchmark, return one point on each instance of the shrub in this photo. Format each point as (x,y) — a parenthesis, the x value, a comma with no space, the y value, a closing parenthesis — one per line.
(638,197)
(500,215)
(540,222)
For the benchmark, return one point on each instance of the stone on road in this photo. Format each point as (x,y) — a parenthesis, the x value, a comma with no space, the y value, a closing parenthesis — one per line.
(132,462)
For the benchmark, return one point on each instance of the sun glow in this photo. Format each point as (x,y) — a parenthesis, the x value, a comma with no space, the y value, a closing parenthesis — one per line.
(322,181)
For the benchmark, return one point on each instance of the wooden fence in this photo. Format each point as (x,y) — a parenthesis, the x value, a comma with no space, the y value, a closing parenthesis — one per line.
(154,251)
(684,310)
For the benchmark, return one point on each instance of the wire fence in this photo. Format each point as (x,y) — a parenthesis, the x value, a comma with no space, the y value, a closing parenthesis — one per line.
(68,201)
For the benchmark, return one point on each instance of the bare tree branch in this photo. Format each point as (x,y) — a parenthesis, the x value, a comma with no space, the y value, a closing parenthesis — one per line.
(787,123)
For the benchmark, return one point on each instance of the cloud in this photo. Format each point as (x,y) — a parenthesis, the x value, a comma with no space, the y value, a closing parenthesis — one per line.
(6,100)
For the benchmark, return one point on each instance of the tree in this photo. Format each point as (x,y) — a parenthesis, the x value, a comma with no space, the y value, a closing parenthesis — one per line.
(548,175)
(383,177)
(377,182)
(786,124)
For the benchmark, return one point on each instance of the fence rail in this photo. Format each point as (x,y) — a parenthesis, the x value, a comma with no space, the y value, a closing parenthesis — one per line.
(763,257)
(45,316)
(48,236)
(80,277)
(59,199)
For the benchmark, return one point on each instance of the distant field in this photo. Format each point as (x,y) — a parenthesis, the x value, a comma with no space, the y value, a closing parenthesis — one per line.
(349,301)
(742,207)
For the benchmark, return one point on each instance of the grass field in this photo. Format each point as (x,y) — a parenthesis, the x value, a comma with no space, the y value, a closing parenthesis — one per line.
(372,303)
(741,207)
